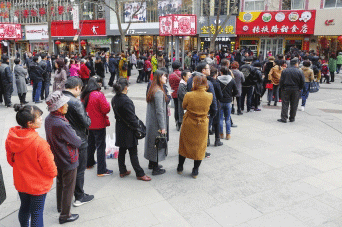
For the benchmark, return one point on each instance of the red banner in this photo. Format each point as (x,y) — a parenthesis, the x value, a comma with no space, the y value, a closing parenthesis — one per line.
(10,31)
(178,25)
(88,28)
(287,22)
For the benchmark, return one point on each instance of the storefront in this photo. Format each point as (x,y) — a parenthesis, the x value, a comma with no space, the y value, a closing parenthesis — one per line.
(9,35)
(71,41)
(275,32)
(327,31)
(38,38)
(99,44)
(226,38)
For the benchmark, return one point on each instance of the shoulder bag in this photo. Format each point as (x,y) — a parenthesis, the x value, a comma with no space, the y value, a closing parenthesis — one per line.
(313,87)
(139,132)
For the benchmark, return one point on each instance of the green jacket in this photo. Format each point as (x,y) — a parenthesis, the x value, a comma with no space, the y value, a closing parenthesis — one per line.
(187,62)
(332,65)
(339,59)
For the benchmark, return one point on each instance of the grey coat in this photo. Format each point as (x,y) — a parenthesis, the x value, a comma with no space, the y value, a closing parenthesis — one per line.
(155,120)
(239,79)
(181,93)
(20,75)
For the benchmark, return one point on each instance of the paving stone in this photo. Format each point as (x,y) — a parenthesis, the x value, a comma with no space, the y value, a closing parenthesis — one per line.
(233,213)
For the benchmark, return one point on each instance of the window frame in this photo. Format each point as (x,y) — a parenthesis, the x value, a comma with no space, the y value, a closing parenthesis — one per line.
(244,7)
(303,5)
(331,7)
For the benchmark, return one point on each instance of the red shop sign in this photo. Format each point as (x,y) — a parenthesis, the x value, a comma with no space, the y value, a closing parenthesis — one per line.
(10,31)
(287,22)
(178,25)
(88,28)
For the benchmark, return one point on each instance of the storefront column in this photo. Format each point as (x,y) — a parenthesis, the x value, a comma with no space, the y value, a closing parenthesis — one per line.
(183,41)
(177,48)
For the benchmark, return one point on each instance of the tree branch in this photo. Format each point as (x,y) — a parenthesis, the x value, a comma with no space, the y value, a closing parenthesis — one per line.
(130,21)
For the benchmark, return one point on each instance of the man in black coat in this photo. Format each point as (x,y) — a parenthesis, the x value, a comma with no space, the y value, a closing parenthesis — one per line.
(80,122)
(46,81)
(252,76)
(36,74)
(112,66)
(6,77)
(291,83)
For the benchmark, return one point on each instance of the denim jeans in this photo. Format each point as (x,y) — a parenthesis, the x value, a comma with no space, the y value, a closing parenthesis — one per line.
(305,93)
(275,93)
(45,89)
(249,92)
(37,88)
(32,206)
(226,109)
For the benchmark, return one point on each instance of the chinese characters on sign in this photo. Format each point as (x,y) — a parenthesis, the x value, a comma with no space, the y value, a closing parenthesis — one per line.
(212,29)
(10,31)
(276,22)
(178,25)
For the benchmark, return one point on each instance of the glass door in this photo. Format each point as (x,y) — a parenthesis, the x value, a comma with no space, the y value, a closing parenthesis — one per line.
(275,46)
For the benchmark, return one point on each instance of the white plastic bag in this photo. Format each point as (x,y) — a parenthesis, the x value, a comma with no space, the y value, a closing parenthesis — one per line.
(112,151)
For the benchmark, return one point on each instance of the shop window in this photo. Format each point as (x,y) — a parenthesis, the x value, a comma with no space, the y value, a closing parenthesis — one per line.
(333,3)
(254,5)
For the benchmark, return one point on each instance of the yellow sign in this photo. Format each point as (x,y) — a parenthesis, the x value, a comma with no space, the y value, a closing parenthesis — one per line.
(212,29)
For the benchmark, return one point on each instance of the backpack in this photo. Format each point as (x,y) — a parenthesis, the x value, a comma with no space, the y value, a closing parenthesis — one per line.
(124,66)
(140,64)
(315,69)
(325,70)
(246,71)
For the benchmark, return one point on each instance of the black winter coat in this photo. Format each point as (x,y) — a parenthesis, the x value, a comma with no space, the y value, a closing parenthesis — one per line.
(124,106)
(99,68)
(112,64)
(36,72)
(78,118)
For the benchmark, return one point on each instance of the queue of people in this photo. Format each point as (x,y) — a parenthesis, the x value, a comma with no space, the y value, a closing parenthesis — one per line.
(76,127)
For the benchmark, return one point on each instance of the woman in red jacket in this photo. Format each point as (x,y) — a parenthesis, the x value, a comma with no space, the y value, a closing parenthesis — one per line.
(97,108)
(84,72)
(33,164)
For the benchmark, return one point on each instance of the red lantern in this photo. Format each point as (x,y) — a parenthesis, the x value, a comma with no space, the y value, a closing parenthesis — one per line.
(58,42)
(83,43)
(339,38)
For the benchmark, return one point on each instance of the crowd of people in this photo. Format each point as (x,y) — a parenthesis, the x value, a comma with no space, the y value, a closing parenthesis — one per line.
(203,92)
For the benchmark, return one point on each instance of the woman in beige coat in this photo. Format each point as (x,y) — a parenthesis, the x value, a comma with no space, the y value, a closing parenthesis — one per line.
(194,131)
(274,76)
(309,76)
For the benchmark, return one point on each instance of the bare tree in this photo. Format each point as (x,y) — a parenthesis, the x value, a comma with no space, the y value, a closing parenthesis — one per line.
(116,9)
(232,10)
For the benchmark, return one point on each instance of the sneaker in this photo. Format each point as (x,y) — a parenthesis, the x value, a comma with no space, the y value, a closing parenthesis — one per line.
(207,155)
(303,108)
(257,109)
(86,199)
(107,173)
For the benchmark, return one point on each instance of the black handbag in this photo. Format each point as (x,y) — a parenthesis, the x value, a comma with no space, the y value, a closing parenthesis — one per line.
(313,87)
(161,143)
(139,132)
(2,188)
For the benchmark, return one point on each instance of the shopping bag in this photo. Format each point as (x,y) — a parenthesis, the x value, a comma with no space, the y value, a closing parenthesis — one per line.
(112,151)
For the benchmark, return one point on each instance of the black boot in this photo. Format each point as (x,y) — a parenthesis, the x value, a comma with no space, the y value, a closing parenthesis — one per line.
(218,142)
(180,169)
(194,173)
